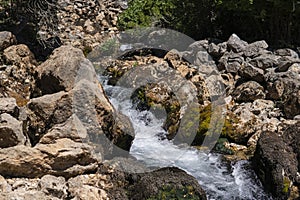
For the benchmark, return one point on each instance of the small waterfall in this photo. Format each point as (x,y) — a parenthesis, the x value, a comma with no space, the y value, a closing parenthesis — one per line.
(217,180)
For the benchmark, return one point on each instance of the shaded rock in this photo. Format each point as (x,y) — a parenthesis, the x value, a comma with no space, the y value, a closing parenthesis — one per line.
(203,58)
(9,105)
(18,78)
(285,87)
(249,91)
(285,63)
(11,131)
(6,39)
(166,183)
(252,73)
(72,129)
(218,50)
(46,111)
(66,66)
(265,61)
(235,44)
(231,62)
(276,160)
(255,49)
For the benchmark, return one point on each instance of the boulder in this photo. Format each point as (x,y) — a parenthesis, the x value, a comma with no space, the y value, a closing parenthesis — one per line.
(255,49)
(53,186)
(19,55)
(9,105)
(66,66)
(285,87)
(89,187)
(218,50)
(265,61)
(248,92)
(18,77)
(63,157)
(235,44)
(11,131)
(47,188)
(250,72)
(166,183)
(6,39)
(276,160)
(287,53)
(231,62)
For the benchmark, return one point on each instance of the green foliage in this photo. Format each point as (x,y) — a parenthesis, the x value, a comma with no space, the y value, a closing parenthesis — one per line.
(277,21)
(170,192)
(187,16)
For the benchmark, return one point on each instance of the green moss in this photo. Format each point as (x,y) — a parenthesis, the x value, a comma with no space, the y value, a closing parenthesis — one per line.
(286,184)
(228,130)
(169,192)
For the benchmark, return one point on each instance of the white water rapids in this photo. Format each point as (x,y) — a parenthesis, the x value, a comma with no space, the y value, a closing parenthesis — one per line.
(216,179)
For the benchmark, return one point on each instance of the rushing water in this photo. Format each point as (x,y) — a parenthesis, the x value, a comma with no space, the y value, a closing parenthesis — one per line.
(218,181)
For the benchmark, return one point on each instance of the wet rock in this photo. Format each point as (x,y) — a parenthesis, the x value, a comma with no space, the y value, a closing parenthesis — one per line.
(276,160)
(168,183)
(249,91)
(235,44)
(6,39)
(11,131)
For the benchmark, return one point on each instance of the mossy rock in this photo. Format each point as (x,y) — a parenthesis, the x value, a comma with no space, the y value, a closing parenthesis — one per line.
(169,192)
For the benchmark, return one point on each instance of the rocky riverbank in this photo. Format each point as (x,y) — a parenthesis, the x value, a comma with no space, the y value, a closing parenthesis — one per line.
(59,132)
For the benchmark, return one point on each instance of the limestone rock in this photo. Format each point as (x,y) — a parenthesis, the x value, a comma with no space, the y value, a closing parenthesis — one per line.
(255,49)
(249,91)
(11,131)
(9,105)
(19,54)
(265,61)
(66,66)
(276,160)
(235,44)
(6,39)
(252,73)
(166,180)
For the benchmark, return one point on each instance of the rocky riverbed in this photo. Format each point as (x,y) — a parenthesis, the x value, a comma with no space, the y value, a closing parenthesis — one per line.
(61,137)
